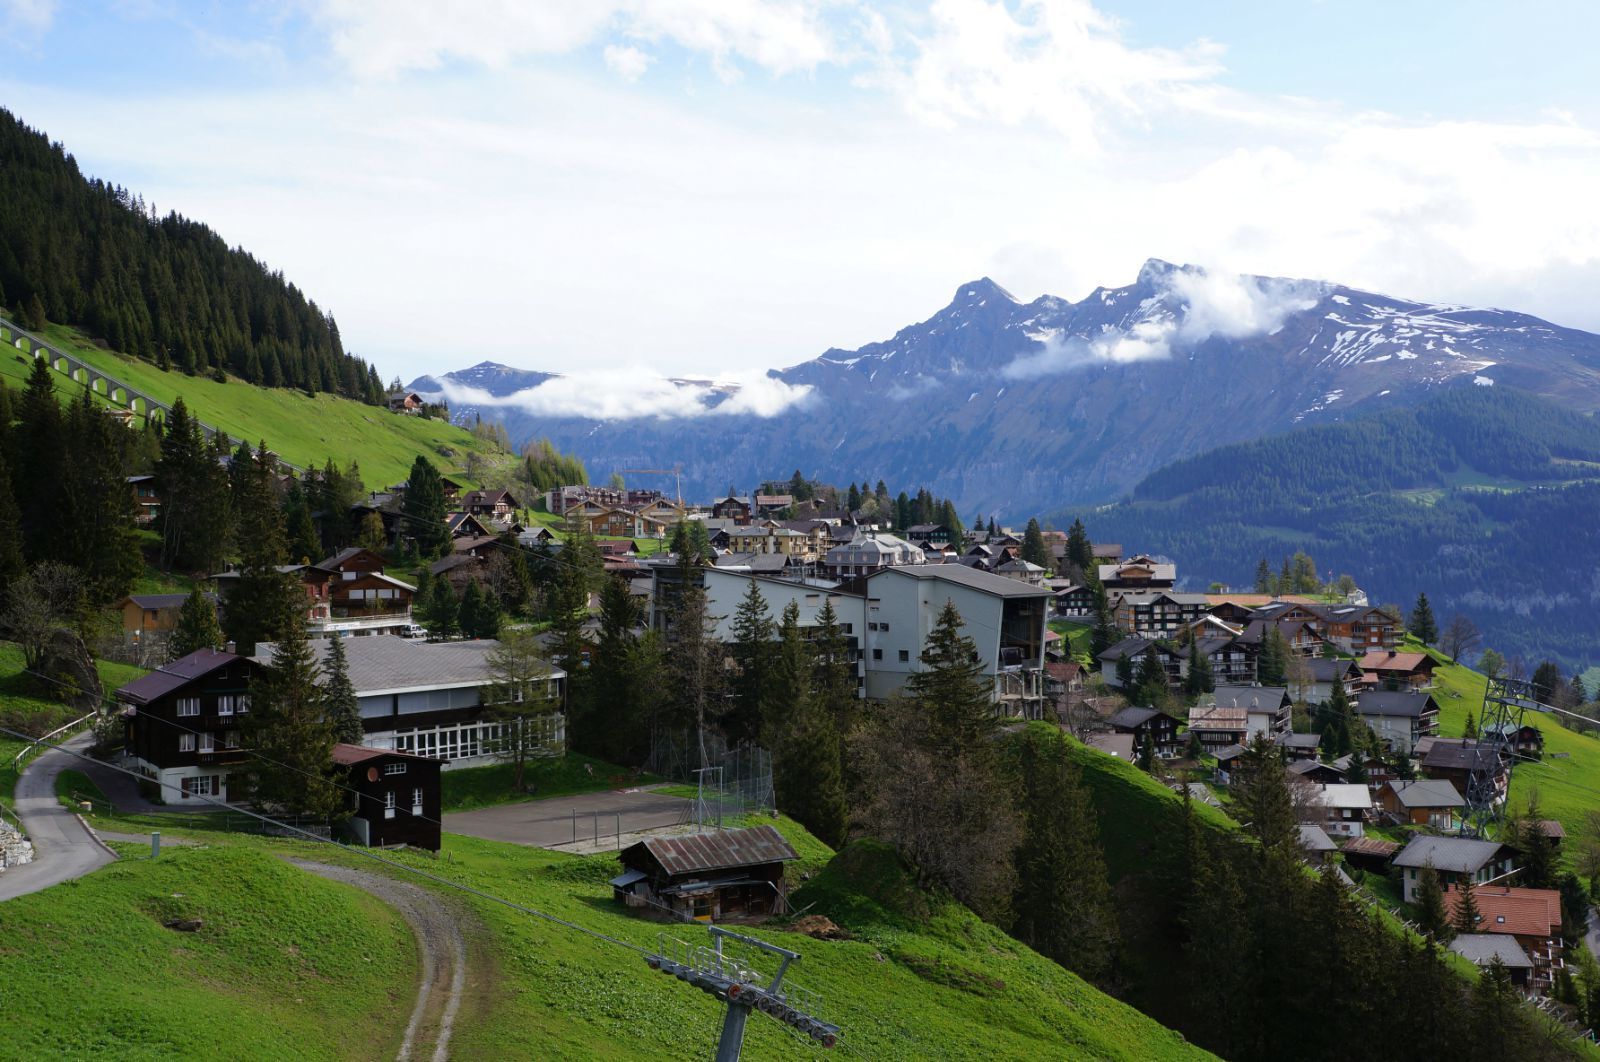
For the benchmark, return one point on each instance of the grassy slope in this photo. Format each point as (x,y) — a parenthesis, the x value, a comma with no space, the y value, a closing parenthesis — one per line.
(900,991)
(1567,786)
(302,429)
(1079,636)
(478,787)
(22,700)
(286,965)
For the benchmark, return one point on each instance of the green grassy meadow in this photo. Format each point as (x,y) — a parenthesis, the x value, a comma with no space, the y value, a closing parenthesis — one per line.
(1079,638)
(303,429)
(285,965)
(479,787)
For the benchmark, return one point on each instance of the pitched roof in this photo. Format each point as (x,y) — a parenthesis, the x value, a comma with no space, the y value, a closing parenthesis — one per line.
(1316,839)
(1410,704)
(1345,795)
(1132,717)
(1388,660)
(1426,793)
(1219,717)
(1299,741)
(1520,912)
(1300,768)
(1461,855)
(1552,829)
(721,850)
(1230,752)
(176,675)
(1481,949)
(971,578)
(346,754)
(1326,669)
(1371,846)
(1118,745)
(160,601)
(1133,645)
(1257,698)
(1458,757)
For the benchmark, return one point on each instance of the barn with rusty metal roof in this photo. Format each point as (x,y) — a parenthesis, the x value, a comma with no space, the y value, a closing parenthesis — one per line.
(721,875)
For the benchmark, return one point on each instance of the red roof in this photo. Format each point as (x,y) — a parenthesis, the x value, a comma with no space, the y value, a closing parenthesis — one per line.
(1384,660)
(1520,912)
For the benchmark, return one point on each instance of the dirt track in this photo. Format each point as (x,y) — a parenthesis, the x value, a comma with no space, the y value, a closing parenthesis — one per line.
(443,948)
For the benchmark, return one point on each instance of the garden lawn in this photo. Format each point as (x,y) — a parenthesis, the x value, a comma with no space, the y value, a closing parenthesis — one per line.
(1079,638)
(26,704)
(285,965)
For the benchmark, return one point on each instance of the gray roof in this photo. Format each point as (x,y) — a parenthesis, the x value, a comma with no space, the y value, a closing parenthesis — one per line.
(971,578)
(384,663)
(1426,793)
(161,601)
(1326,669)
(175,675)
(1299,741)
(1258,698)
(1398,703)
(1316,839)
(1230,752)
(1303,767)
(1461,855)
(1483,948)
(1118,745)
(1132,717)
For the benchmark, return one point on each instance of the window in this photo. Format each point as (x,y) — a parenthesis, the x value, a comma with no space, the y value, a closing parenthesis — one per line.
(204,785)
(242,703)
(877,654)
(883,626)
(188,705)
(872,626)
(208,743)
(388,804)
(905,655)
(225,704)
(416,801)
(186,743)
(394,768)
(230,740)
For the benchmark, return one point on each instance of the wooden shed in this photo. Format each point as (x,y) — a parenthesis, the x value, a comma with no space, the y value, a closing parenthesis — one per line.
(712,877)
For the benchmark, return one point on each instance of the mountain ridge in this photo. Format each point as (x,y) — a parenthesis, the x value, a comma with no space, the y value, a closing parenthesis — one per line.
(1015,407)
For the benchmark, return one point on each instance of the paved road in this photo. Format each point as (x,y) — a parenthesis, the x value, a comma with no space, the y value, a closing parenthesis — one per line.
(63,847)
(444,955)
(548,823)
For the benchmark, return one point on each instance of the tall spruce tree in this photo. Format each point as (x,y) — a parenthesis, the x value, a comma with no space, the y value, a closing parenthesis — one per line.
(197,627)
(95,531)
(1034,548)
(339,695)
(1422,624)
(1432,918)
(952,688)
(1080,552)
(480,613)
(1264,802)
(290,729)
(753,651)
(1063,903)
(837,690)
(1272,666)
(808,765)
(38,473)
(12,560)
(1263,582)
(1465,916)
(441,612)
(1199,678)
(424,509)
(264,603)
(610,724)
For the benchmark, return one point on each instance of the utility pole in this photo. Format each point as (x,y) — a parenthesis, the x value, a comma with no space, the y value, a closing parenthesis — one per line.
(718,973)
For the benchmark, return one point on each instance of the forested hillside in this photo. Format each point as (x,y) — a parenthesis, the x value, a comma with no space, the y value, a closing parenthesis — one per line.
(1485,498)
(83,251)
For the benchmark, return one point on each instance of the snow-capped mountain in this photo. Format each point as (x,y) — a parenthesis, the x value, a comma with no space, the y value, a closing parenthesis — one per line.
(1014,407)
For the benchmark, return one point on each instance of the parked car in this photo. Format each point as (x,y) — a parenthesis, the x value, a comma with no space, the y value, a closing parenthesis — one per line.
(413,631)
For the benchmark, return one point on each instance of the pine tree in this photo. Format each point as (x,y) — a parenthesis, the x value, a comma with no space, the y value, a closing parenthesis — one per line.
(94,531)
(339,695)
(1538,870)
(38,471)
(424,510)
(952,687)
(1199,679)
(197,627)
(1470,727)
(1422,624)
(1273,663)
(304,543)
(609,724)
(479,612)
(1264,802)
(1063,903)
(1432,917)
(1466,916)
(12,561)
(752,651)
(1147,754)
(836,689)
(442,611)
(808,768)
(1263,577)
(1080,552)
(1548,682)
(1150,684)
(290,729)
(1577,694)
(264,603)
(1124,668)
(1034,549)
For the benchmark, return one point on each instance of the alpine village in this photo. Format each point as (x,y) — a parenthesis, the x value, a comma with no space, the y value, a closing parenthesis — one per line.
(342,718)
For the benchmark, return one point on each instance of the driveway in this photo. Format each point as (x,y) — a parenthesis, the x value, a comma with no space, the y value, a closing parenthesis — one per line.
(63,847)
(549,823)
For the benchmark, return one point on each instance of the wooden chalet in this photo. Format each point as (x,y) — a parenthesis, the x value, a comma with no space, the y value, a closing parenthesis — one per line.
(1219,726)
(408,402)
(499,505)
(182,723)
(1531,917)
(1422,802)
(148,619)
(725,875)
(1160,728)
(734,508)
(1524,740)
(146,492)
(393,797)
(1393,670)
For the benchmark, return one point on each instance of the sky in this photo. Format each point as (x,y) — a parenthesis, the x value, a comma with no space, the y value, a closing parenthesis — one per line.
(720,187)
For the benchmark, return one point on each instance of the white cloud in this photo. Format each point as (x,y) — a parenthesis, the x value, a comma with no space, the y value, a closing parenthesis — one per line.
(1190,306)
(636,392)
(626,61)
(27,16)
(385,40)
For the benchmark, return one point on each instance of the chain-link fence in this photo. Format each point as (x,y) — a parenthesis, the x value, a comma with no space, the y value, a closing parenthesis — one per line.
(736,778)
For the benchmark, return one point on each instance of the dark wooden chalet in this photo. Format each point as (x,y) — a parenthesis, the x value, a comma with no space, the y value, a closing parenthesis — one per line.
(732,508)
(712,877)
(393,797)
(1159,727)
(182,723)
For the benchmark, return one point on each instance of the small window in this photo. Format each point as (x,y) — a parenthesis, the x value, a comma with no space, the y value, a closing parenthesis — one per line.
(388,804)
(872,626)
(185,742)
(188,706)
(394,768)
(416,801)
(905,655)
(230,740)
(883,626)
(877,654)
(208,743)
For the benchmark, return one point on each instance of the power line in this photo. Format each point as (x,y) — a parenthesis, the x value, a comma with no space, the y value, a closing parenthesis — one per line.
(362,852)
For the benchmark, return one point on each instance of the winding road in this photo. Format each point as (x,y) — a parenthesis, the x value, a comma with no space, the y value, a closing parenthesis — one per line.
(63,847)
